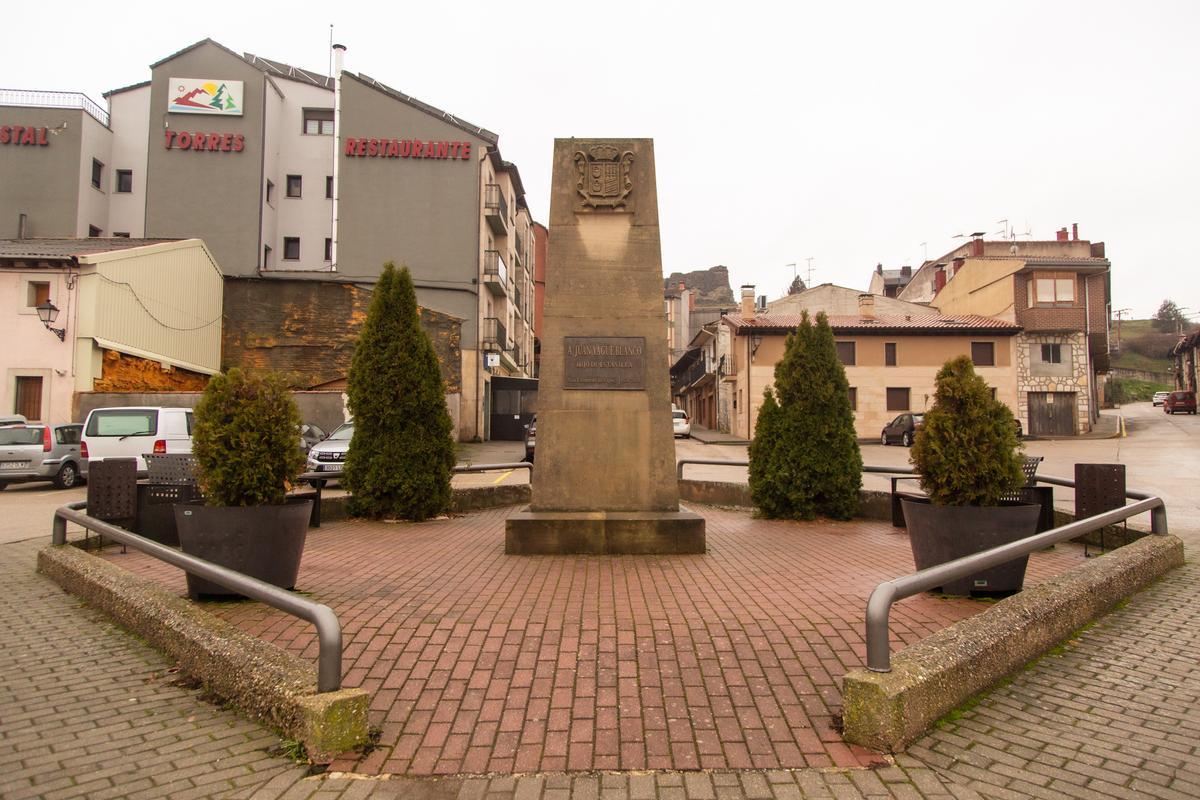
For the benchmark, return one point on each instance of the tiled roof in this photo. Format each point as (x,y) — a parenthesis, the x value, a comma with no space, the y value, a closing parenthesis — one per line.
(66,249)
(914,323)
(279,69)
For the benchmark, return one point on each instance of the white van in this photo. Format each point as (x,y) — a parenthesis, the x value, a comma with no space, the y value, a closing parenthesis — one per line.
(134,431)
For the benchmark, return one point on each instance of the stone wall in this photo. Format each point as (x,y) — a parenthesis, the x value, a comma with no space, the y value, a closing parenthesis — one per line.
(125,373)
(1075,380)
(307,329)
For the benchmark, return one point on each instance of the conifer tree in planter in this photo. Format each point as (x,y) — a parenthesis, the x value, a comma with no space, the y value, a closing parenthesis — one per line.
(969,459)
(805,460)
(244,441)
(401,458)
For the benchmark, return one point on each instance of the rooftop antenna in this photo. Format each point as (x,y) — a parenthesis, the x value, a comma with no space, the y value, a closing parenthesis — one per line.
(329,69)
(925,245)
(810,271)
(1005,229)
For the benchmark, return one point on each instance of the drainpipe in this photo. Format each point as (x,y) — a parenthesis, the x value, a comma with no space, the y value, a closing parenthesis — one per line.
(339,50)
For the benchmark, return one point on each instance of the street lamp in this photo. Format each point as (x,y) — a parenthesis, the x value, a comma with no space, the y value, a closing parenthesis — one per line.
(48,312)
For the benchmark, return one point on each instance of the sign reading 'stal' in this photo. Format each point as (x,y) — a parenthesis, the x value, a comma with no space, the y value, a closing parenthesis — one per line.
(205,96)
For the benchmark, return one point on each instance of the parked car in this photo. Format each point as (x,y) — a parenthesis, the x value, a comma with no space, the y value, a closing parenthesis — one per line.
(37,452)
(1159,397)
(902,429)
(1180,402)
(310,434)
(134,431)
(683,424)
(530,438)
(329,455)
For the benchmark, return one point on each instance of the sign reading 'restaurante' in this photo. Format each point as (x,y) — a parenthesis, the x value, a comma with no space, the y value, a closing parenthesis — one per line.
(407,148)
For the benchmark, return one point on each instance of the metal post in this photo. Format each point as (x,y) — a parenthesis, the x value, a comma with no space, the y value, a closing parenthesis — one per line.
(879,606)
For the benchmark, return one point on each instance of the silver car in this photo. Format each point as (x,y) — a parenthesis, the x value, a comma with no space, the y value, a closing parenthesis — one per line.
(38,452)
(329,455)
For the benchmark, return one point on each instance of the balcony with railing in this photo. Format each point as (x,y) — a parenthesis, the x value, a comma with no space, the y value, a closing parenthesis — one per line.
(494,335)
(495,209)
(518,297)
(520,243)
(495,274)
(38,99)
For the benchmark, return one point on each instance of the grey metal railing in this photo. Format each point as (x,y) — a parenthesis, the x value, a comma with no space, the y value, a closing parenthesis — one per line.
(329,630)
(461,468)
(879,605)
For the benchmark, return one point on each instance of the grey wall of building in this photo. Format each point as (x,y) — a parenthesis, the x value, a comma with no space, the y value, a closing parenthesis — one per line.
(41,182)
(215,196)
(419,213)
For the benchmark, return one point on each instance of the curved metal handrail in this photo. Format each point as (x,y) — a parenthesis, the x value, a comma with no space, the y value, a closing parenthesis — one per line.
(329,629)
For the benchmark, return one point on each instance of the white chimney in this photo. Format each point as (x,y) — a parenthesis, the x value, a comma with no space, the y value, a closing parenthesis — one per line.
(747,301)
(866,306)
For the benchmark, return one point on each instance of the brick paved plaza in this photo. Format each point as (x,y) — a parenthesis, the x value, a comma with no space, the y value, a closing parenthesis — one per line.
(480,662)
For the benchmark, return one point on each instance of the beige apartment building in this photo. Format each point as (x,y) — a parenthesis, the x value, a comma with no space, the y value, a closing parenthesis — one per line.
(891,359)
(245,153)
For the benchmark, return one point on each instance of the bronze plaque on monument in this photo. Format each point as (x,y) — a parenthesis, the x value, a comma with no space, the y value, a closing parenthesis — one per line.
(608,363)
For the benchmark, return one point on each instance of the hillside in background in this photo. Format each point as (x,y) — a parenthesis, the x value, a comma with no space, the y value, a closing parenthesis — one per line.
(1143,346)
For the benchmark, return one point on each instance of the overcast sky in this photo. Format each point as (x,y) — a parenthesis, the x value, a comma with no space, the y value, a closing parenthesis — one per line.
(853,134)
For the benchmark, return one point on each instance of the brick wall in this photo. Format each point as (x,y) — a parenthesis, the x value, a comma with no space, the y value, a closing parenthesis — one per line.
(307,329)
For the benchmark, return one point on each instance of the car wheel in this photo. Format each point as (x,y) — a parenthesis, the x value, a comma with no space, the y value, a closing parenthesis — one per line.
(317,483)
(906,439)
(67,477)
(3,484)
(883,439)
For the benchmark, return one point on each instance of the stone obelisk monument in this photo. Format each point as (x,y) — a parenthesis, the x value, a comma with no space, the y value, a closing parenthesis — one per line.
(604,481)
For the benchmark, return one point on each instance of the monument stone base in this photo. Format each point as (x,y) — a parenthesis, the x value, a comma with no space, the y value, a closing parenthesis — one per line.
(604,533)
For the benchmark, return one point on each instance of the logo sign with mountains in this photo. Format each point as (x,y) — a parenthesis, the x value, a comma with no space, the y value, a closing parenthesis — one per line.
(205,96)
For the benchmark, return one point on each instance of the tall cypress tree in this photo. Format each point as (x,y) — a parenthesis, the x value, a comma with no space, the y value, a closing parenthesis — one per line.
(814,466)
(401,457)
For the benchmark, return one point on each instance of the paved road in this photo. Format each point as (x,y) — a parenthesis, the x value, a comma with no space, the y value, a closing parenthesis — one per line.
(90,712)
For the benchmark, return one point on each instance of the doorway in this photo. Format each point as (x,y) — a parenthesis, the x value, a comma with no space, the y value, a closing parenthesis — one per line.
(1052,413)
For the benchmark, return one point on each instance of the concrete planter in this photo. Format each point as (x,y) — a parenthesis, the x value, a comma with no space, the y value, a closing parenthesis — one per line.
(939,534)
(264,542)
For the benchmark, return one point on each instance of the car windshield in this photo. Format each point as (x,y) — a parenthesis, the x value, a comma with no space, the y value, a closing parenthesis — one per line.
(680,415)
(342,434)
(20,436)
(918,419)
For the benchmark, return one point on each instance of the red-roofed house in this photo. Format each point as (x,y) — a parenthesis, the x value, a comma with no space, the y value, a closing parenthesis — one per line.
(1058,292)
(891,359)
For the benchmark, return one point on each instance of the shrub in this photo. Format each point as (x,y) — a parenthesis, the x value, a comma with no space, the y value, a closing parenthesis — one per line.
(401,457)
(246,439)
(808,458)
(967,453)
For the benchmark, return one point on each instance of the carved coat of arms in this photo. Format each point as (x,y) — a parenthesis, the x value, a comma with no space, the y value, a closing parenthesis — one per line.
(603,179)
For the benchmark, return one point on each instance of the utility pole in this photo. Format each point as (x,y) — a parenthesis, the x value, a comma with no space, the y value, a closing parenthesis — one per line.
(1119,313)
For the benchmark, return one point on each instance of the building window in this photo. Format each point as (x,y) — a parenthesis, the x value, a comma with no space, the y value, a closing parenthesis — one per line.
(28,397)
(1052,353)
(897,399)
(328,187)
(94,232)
(37,293)
(293,186)
(270,192)
(121,234)
(328,249)
(124,181)
(889,354)
(266,256)
(291,248)
(854,398)
(845,351)
(318,121)
(1052,289)
(97,174)
(983,354)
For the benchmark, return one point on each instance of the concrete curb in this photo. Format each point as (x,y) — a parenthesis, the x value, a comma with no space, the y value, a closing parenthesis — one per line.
(258,678)
(471,498)
(871,504)
(887,711)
